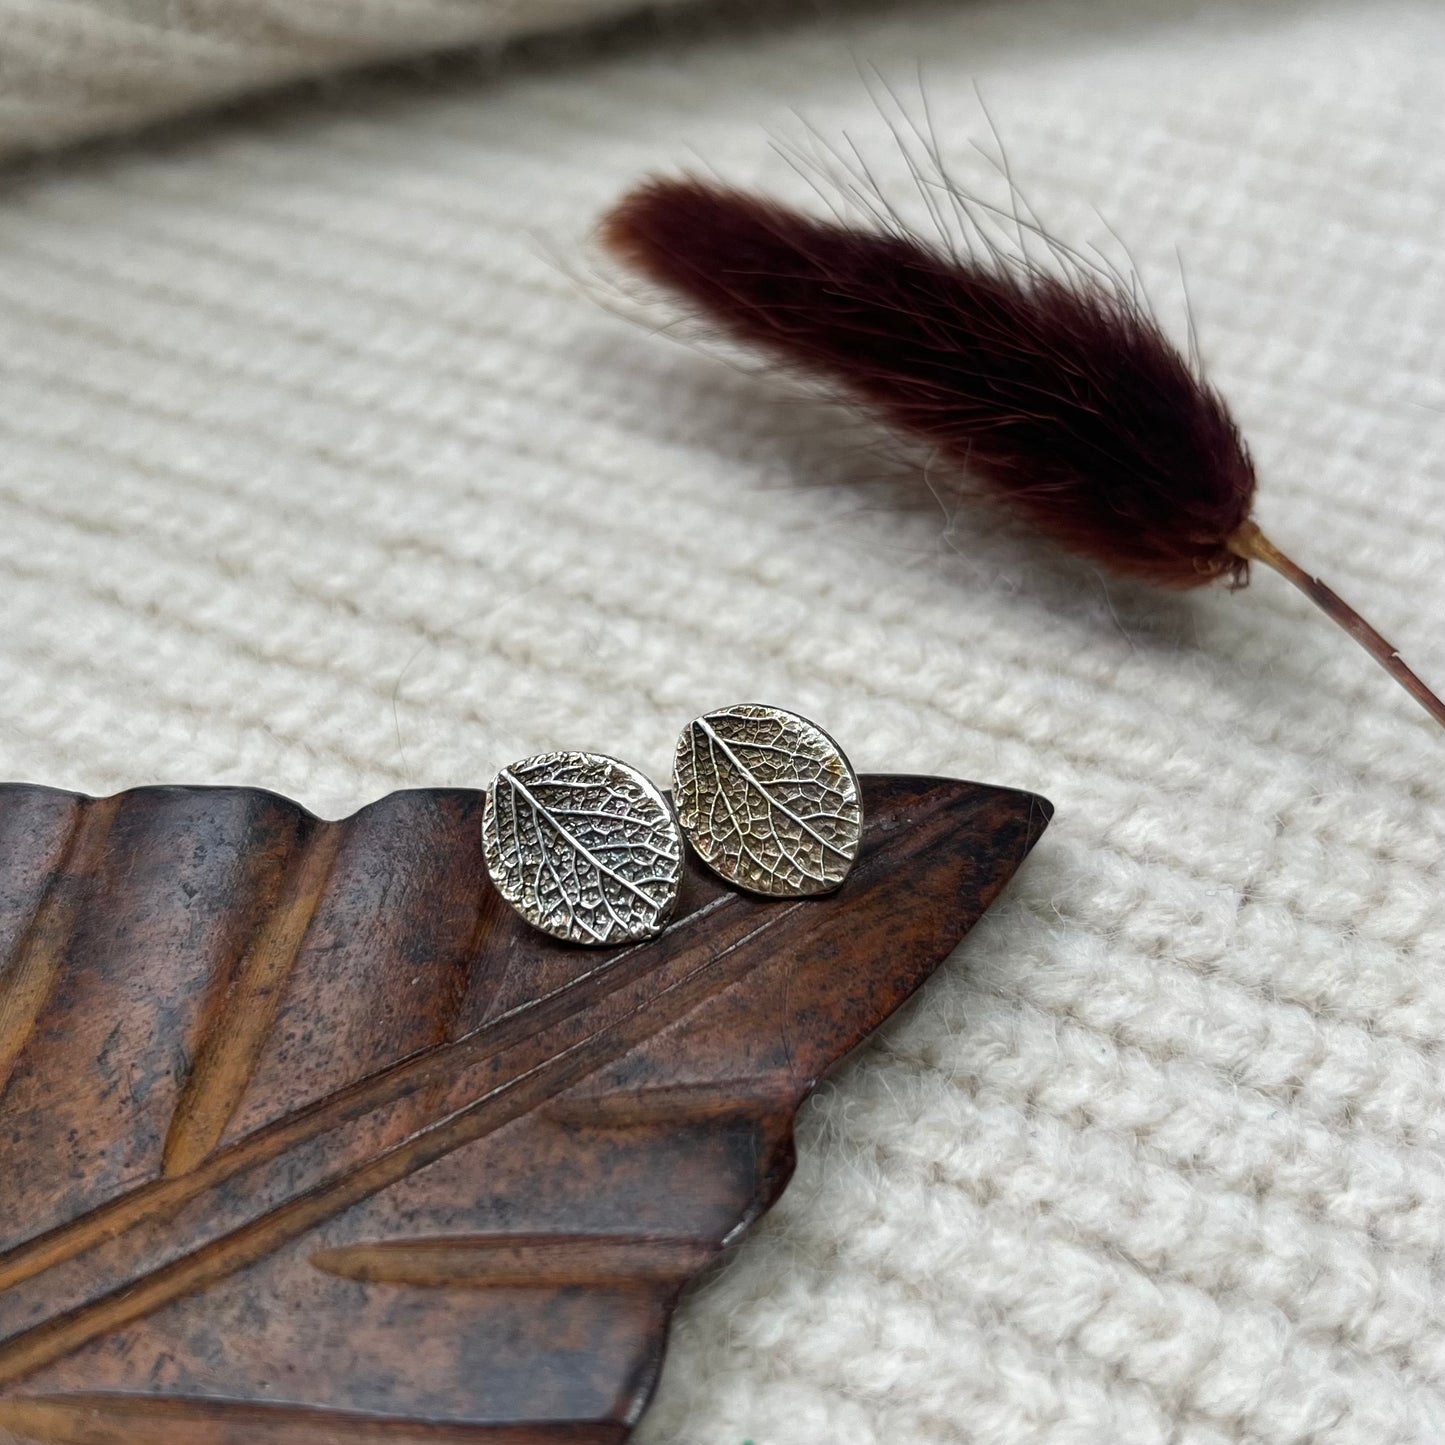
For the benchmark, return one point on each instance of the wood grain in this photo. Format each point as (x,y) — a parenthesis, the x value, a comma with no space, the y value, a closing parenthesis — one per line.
(517,1262)
(242,1022)
(305,1137)
(31,970)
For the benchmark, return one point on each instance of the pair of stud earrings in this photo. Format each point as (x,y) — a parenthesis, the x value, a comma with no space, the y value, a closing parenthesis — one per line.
(585,848)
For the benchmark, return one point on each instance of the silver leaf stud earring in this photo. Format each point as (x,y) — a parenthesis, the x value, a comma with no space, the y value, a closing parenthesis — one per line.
(583,847)
(768,800)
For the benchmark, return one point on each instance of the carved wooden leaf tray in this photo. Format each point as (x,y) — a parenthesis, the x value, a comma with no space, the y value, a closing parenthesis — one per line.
(305,1137)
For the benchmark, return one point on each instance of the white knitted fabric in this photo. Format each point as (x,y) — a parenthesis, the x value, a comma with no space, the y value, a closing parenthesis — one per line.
(322,472)
(76,68)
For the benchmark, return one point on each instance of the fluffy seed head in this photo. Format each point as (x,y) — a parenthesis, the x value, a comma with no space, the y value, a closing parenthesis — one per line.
(1061,396)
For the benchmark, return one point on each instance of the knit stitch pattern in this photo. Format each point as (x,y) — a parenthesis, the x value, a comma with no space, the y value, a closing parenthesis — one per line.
(72,69)
(325,470)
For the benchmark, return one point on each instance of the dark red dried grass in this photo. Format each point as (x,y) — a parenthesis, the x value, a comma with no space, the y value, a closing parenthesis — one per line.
(1053,387)
(1060,394)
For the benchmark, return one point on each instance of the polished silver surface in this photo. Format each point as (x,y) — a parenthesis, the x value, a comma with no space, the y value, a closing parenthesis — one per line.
(583,847)
(768,800)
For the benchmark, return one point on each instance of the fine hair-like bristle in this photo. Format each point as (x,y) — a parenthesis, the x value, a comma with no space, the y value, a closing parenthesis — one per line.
(1059,393)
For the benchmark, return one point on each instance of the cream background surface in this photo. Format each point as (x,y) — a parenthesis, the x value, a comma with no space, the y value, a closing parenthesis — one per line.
(322,470)
(70,69)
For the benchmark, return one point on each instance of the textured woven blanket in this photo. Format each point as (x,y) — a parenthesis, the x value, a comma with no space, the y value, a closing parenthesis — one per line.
(70,69)
(324,468)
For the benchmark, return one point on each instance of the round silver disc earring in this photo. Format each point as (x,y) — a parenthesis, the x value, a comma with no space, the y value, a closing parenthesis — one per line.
(768,800)
(583,847)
